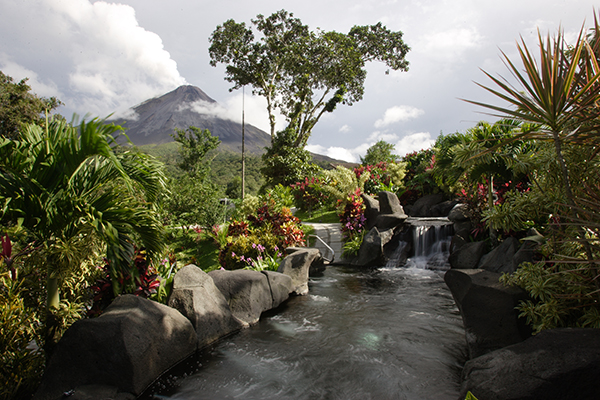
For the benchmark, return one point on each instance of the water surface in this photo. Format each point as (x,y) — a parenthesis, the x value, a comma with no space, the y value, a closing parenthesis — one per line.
(391,333)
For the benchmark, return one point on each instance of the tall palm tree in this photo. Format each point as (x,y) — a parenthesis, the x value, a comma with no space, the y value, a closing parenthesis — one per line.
(75,190)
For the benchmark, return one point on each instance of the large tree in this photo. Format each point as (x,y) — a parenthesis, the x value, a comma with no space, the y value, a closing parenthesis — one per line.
(18,106)
(379,152)
(302,73)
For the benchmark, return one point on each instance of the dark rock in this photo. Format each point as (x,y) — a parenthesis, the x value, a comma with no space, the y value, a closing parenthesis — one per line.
(422,207)
(554,364)
(297,266)
(371,252)
(281,286)
(488,310)
(196,296)
(247,293)
(461,217)
(389,221)
(443,209)
(459,213)
(526,253)
(467,256)
(459,239)
(371,209)
(389,203)
(501,258)
(127,347)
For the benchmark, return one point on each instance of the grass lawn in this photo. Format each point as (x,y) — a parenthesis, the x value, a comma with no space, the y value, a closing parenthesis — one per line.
(318,216)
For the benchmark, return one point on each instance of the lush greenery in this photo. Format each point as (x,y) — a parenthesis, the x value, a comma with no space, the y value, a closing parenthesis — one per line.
(69,196)
(18,106)
(302,73)
(85,219)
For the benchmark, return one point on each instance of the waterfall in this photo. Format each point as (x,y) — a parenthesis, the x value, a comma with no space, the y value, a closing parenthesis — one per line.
(431,239)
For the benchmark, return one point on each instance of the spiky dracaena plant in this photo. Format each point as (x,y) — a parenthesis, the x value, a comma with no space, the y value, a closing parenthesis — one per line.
(560,94)
(556,95)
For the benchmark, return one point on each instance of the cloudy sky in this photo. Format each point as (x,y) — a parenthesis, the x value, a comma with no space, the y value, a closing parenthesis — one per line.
(102,57)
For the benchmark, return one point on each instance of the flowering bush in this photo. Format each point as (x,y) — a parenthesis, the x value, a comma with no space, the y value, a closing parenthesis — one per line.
(383,176)
(263,261)
(143,282)
(418,180)
(309,195)
(353,216)
(266,233)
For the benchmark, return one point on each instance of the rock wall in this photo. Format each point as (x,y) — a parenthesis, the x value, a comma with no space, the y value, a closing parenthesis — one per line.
(120,353)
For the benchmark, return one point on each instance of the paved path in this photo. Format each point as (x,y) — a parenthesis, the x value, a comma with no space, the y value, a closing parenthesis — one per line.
(332,235)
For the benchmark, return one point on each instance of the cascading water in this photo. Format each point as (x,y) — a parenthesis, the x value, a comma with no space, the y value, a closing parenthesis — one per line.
(388,333)
(431,243)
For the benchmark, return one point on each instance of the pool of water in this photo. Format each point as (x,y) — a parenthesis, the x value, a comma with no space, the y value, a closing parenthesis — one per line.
(390,333)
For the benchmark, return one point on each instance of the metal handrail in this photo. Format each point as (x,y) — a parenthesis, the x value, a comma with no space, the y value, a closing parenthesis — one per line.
(329,260)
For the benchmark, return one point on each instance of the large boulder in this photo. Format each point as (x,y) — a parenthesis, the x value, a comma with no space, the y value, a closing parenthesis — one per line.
(126,348)
(500,259)
(297,266)
(461,217)
(442,209)
(371,252)
(371,209)
(196,296)
(554,364)
(389,203)
(488,310)
(391,214)
(467,255)
(423,206)
(247,293)
(526,253)
(281,286)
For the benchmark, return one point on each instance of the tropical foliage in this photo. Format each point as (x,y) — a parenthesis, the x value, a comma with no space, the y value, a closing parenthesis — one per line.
(69,196)
(558,97)
(18,106)
(261,237)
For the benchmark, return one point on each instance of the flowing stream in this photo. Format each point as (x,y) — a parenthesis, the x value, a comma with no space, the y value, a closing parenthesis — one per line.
(388,333)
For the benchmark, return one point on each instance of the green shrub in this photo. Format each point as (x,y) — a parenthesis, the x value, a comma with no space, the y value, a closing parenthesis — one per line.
(21,360)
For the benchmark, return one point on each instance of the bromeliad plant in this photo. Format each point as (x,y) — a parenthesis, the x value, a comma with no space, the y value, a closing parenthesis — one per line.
(142,280)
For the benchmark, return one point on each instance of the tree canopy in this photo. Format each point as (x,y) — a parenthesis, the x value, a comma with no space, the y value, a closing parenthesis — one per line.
(379,152)
(302,73)
(18,106)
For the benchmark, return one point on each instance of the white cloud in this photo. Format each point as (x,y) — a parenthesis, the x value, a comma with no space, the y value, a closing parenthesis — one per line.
(345,129)
(414,142)
(450,45)
(212,109)
(340,153)
(18,72)
(398,114)
(255,111)
(97,53)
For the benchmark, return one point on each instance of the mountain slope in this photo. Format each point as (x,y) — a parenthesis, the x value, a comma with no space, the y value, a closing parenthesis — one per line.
(156,119)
